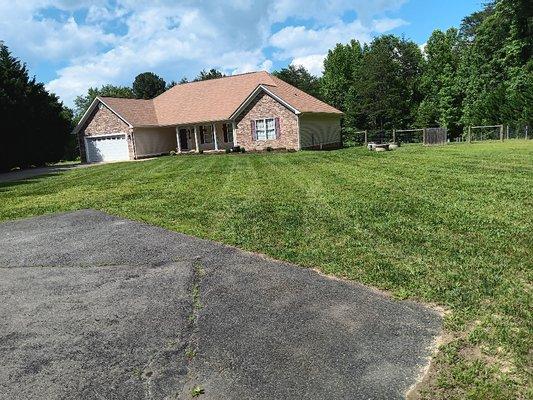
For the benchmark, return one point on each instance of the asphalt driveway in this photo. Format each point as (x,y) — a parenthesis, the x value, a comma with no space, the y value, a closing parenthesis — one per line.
(29,173)
(98,307)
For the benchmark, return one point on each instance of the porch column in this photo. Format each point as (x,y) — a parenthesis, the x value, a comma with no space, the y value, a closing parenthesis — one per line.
(234,133)
(215,136)
(196,138)
(178,138)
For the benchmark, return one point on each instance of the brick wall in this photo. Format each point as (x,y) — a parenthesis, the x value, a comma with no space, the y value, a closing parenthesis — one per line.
(264,106)
(104,122)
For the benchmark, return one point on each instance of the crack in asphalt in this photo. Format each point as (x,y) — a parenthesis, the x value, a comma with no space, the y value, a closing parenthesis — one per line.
(187,343)
(102,265)
(191,339)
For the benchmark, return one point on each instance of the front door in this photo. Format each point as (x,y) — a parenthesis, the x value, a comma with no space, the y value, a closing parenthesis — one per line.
(184,142)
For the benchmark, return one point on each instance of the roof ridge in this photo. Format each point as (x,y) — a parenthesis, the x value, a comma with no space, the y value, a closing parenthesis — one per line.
(215,79)
(123,98)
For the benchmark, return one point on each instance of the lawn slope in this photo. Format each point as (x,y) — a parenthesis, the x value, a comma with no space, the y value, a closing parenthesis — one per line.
(450,225)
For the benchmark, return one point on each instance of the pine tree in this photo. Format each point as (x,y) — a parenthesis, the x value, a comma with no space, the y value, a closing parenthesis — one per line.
(35,125)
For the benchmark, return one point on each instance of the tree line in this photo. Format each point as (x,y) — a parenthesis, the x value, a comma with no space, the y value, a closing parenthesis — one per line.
(480,73)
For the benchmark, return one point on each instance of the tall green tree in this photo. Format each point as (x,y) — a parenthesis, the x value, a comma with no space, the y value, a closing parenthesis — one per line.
(496,68)
(206,75)
(300,77)
(148,85)
(341,66)
(385,91)
(35,124)
(82,102)
(439,83)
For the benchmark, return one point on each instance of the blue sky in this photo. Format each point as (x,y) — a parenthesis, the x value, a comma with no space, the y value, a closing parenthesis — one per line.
(74,44)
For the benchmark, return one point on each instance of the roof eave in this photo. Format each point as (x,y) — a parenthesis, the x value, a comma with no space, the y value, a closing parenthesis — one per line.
(336,112)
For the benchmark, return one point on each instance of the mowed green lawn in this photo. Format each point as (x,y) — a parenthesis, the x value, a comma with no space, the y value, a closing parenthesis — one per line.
(446,225)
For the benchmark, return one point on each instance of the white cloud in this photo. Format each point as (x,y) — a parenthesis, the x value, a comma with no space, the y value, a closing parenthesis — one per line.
(314,63)
(98,14)
(118,39)
(299,41)
(37,37)
(386,24)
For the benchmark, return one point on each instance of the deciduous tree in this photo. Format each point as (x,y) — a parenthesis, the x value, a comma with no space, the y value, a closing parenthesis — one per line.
(385,91)
(439,84)
(211,74)
(148,85)
(82,102)
(300,77)
(340,69)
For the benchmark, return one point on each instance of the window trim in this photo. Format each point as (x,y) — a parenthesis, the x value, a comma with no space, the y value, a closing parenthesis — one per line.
(226,127)
(206,131)
(266,129)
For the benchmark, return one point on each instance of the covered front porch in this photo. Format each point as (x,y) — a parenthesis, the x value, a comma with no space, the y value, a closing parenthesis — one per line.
(214,136)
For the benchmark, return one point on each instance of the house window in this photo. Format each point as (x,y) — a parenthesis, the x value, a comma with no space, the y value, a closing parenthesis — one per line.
(228,132)
(265,129)
(206,134)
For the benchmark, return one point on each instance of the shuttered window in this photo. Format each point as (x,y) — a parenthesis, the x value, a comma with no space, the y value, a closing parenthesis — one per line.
(260,130)
(265,129)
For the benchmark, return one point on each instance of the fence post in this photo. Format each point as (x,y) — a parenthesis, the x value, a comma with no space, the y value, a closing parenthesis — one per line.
(394,136)
(501,133)
(507,132)
(469,134)
(527,128)
(366,137)
(424,136)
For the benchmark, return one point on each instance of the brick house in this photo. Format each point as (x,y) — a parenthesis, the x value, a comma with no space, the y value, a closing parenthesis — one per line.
(253,110)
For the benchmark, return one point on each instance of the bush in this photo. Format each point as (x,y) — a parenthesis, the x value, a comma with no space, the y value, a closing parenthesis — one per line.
(236,149)
(352,137)
(243,150)
(269,149)
(200,151)
(228,150)
(172,153)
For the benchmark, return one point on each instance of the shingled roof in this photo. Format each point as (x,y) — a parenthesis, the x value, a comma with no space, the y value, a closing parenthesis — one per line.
(211,100)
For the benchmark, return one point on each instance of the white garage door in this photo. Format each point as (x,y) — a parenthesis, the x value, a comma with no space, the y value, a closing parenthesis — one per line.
(107,148)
